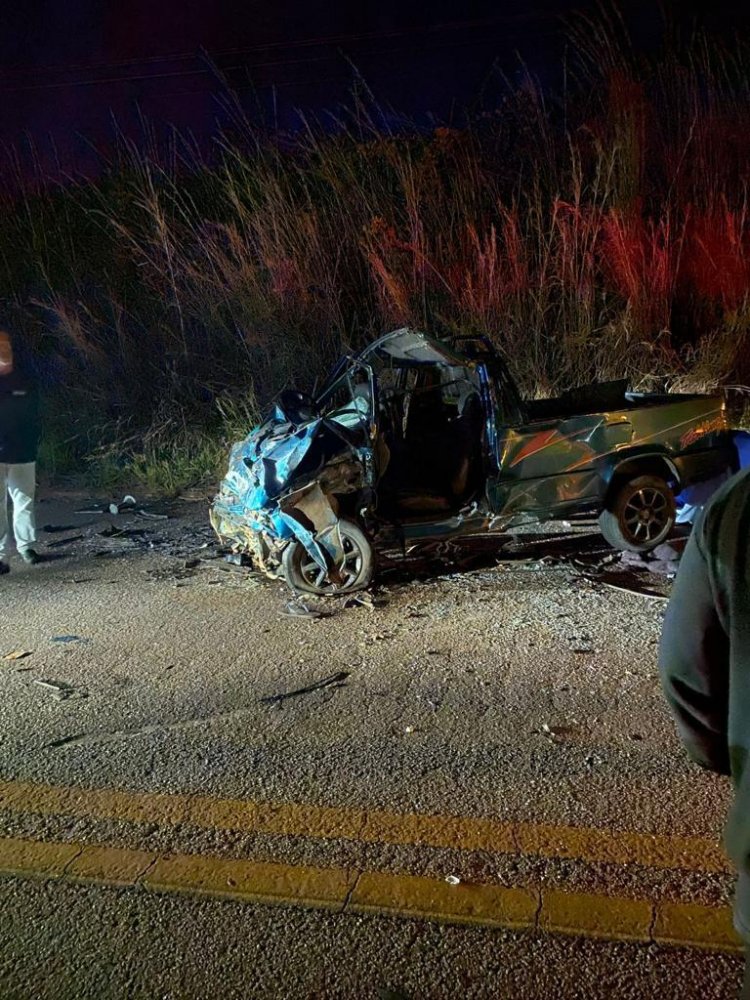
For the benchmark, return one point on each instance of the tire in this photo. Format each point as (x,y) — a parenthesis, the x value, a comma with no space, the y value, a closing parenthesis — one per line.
(303,574)
(639,515)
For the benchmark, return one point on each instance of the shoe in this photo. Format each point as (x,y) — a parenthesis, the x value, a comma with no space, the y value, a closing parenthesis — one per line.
(4,568)
(30,556)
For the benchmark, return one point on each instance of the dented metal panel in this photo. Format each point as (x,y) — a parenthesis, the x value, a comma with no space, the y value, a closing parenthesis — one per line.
(544,466)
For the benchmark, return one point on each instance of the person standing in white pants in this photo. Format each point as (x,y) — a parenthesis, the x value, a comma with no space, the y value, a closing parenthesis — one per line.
(19,441)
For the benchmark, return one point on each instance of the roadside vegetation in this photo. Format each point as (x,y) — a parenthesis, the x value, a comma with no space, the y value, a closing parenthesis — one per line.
(595,230)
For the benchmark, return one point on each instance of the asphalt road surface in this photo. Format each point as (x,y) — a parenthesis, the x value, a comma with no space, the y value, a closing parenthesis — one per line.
(494,720)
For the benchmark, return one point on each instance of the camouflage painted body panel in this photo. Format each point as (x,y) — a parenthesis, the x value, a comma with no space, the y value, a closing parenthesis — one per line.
(551,464)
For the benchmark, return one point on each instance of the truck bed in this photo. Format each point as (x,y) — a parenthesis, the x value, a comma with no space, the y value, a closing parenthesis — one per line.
(600,397)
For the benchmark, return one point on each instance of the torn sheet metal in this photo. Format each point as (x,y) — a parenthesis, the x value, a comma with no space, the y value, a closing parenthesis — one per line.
(258,509)
(312,517)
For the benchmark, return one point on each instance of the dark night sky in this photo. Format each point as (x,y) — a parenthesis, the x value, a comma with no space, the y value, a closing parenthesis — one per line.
(68,66)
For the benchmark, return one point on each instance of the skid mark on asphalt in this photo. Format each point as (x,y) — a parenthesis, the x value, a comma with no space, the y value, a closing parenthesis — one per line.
(376,893)
(467,833)
(325,687)
(94,739)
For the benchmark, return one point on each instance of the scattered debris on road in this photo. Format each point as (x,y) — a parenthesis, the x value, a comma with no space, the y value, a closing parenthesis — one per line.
(298,609)
(362,600)
(68,638)
(18,654)
(128,503)
(580,644)
(114,532)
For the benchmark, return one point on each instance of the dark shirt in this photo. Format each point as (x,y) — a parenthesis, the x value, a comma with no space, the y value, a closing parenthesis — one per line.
(19,420)
(705,650)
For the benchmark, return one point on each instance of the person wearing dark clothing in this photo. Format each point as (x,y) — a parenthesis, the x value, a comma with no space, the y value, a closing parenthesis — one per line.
(704,662)
(19,441)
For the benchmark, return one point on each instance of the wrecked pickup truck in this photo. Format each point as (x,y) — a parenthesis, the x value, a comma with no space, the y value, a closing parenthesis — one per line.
(415,440)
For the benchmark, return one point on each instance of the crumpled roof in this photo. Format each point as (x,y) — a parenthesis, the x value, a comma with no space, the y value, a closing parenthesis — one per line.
(412,347)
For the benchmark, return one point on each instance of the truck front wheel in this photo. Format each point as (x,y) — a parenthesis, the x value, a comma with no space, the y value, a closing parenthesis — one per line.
(302,573)
(639,515)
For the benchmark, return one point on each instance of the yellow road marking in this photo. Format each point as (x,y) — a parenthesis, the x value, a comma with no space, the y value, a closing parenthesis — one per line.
(700,854)
(113,865)
(432,899)
(252,880)
(35,857)
(694,925)
(348,891)
(596,916)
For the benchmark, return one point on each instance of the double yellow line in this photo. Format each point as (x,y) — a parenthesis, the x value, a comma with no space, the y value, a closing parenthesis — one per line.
(353,890)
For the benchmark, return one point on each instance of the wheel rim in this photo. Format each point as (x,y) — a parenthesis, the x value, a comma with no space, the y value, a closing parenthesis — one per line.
(315,577)
(646,515)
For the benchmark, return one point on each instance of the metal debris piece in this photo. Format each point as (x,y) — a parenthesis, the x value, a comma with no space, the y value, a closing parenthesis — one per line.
(114,532)
(64,541)
(60,690)
(334,681)
(298,609)
(360,601)
(628,583)
(151,515)
(68,638)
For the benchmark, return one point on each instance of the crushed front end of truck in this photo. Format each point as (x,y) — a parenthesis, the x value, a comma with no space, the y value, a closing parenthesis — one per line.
(286,483)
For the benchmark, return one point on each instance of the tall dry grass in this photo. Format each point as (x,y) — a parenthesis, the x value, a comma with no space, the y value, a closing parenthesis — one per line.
(600,231)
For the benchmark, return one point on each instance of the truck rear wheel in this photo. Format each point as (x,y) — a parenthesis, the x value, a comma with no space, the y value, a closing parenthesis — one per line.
(639,515)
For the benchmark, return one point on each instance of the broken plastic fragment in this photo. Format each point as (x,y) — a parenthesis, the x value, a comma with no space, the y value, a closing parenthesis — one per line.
(452,879)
